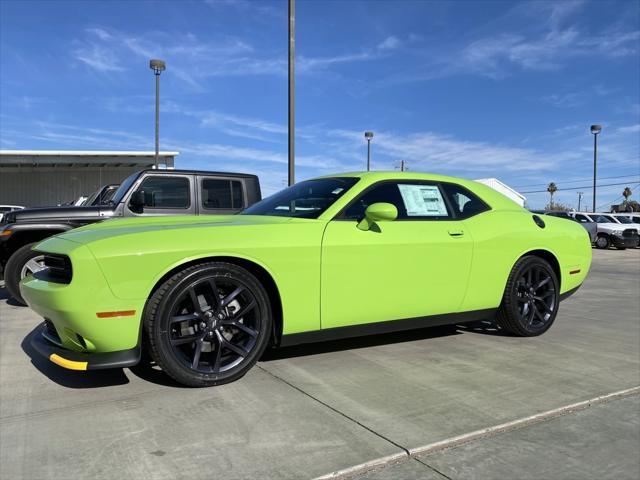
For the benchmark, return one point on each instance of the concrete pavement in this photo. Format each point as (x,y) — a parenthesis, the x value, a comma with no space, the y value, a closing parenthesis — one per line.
(310,410)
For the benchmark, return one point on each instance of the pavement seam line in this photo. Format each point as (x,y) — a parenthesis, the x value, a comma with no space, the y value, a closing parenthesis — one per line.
(456,441)
(364,466)
(521,422)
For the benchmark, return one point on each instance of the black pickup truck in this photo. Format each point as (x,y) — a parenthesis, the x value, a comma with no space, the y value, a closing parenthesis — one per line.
(148,192)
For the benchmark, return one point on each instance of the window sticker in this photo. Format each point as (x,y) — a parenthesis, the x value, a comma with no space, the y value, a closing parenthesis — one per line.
(423,200)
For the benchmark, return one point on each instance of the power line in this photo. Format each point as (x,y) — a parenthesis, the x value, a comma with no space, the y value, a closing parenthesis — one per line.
(573,181)
(578,188)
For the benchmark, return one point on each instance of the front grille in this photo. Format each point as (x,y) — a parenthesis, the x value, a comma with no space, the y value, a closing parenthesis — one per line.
(58,269)
(629,232)
(50,332)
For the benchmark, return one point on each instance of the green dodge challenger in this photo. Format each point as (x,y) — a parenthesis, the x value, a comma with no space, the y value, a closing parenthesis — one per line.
(336,256)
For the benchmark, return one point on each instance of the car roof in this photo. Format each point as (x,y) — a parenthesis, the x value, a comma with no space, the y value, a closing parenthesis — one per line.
(163,171)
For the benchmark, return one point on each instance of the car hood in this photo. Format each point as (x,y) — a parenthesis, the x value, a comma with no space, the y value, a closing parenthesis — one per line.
(614,227)
(132,226)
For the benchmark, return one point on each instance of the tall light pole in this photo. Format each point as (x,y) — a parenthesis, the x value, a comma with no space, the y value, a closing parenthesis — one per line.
(595,130)
(368,136)
(157,66)
(580,194)
(292,96)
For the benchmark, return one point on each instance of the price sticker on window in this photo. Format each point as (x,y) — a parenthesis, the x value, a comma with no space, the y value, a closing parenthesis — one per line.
(423,200)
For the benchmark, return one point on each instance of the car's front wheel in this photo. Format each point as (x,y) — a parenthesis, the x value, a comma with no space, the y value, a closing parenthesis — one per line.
(22,263)
(602,241)
(531,298)
(208,324)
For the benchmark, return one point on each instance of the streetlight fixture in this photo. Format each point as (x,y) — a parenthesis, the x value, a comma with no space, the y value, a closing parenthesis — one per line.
(595,130)
(157,66)
(368,136)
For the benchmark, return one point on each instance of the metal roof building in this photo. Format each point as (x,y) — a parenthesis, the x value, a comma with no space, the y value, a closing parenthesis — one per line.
(38,178)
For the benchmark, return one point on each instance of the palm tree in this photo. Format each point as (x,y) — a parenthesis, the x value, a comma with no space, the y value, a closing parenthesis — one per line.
(551,189)
(626,194)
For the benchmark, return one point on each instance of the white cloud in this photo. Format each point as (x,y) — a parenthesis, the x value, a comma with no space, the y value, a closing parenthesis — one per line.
(98,58)
(390,43)
(630,128)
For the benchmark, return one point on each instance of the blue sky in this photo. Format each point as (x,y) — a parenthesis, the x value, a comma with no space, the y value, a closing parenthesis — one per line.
(473,89)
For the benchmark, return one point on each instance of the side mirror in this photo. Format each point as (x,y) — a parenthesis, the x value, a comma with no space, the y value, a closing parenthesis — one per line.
(378,212)
(136,202)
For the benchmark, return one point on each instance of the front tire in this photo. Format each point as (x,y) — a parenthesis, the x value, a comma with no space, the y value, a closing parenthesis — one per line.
(531,298)
(208,324)
(22,263)
(602,241)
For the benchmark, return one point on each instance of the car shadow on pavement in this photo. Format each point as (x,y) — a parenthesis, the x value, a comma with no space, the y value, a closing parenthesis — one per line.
(358,342)
(4,295)
(484,327)
(71,378)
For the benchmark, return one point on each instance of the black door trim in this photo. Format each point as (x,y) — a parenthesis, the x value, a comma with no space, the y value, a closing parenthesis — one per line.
(386,327)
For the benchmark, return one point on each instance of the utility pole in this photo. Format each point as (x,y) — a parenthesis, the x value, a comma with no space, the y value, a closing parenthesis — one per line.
(292,98)
(403,166)
(580,194)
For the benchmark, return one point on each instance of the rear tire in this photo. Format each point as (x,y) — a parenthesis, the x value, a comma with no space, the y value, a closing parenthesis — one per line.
(208,324)
(531,298)
(21,264)
(602,241)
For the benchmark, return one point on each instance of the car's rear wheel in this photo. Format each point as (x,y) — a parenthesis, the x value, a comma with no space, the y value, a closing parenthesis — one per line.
(602,241)
(208,324)
(22,263)
(531,298)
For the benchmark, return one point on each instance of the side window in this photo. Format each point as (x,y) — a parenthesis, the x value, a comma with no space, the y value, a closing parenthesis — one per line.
(414,201)
(581,218)
(221,194)
(166,192)
(465,203)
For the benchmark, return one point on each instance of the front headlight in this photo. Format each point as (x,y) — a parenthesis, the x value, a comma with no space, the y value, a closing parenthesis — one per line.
(617,234)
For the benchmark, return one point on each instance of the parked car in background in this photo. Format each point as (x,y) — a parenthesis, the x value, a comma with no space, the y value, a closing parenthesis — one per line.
(102,196)
(590,227)
(336,256)
(634,217)
(145,193)
(624,219)
(609,233)
(8,208)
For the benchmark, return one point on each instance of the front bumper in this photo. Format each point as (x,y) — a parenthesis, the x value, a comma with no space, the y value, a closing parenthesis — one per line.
(81,360)
(86,315)
(627,242)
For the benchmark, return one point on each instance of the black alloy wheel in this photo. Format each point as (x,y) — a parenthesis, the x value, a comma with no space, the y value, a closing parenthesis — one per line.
(531,299)
(208,324)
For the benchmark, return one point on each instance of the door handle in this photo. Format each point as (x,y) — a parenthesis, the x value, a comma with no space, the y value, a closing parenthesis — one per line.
(456,233)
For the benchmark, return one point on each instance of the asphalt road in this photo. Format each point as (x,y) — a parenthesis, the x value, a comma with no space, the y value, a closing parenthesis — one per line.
(384,407)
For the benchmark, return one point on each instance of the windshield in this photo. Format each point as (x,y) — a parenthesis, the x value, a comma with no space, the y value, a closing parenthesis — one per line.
(124,188)
(601,219)
(91,198)
(303,200)
(622,219)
